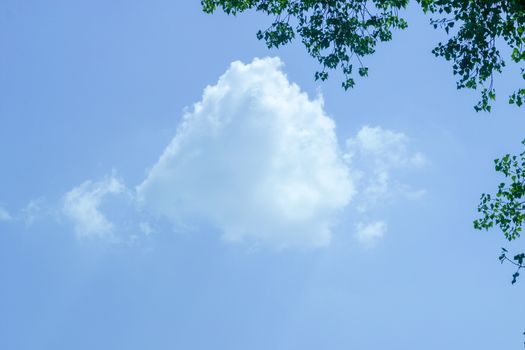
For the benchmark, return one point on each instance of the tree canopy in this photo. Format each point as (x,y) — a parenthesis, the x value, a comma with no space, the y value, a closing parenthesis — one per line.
(341,33)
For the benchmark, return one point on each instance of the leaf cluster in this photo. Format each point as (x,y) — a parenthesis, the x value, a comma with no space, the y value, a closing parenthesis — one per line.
(517,260)
(337,33)
(506,209)
(482,24)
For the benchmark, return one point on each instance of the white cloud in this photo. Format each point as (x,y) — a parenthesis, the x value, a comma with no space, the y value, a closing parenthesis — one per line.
(4,215)
(257,159)
(377,153)
(146,228)
(33,211)
(81,205)
(413,194)
(369,234)
(386,149)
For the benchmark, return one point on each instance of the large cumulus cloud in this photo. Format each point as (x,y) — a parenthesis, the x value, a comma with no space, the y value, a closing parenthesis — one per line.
(255,158)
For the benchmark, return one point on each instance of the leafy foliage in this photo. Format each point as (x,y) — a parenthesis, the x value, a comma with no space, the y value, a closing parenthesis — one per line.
(337,33)
(507,208)
(473,50)
(517,261)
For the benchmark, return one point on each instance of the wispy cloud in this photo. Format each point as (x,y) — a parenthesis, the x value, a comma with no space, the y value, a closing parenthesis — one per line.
(386,149)
(4,215)
(34,210)
(376,154)
(146,228)
(81,206)
(369,233)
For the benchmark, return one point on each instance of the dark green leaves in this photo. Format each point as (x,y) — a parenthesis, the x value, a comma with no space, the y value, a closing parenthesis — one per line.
(231,7)
(337,33)
(506,209)
(472,49)
(517,261)
(278,34)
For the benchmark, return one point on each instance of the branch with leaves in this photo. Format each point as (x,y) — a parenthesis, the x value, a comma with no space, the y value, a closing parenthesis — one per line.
(338,33)
(472,49)
(341,33)
(516,261)
(506,209)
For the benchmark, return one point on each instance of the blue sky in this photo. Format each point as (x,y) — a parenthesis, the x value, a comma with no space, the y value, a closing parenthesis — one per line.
(142,210)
